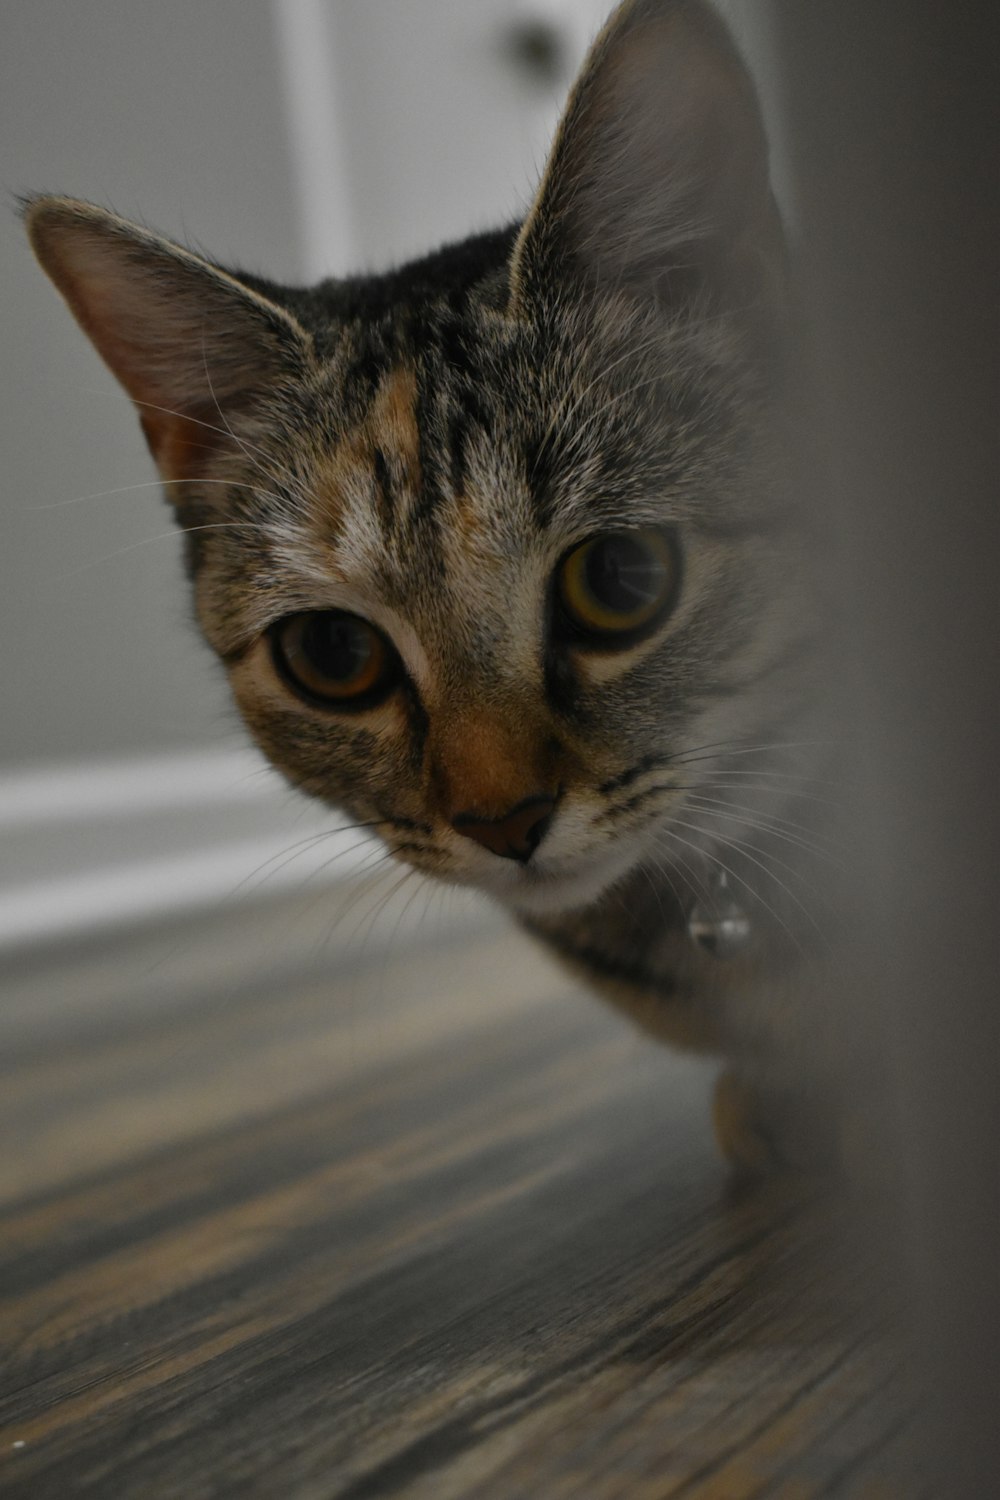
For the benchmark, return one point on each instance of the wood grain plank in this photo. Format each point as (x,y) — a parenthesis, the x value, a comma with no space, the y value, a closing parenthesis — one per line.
(430,1232)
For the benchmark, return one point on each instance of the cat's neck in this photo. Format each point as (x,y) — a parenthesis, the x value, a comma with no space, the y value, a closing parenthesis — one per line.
(678,943)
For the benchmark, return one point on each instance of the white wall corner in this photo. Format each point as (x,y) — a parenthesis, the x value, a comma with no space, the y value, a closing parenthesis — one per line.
(306,37)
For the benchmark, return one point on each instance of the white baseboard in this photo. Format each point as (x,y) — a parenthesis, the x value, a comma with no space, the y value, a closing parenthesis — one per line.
(86,790)
(93,852)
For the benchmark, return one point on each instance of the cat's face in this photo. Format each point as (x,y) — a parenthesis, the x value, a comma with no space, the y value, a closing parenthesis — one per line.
(496,588)
(490,545)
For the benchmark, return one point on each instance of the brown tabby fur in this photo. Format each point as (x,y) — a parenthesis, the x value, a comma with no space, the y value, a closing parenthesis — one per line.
(422,447)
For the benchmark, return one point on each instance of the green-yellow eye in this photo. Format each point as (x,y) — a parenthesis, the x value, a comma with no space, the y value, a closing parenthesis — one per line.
(617,585)
(335,658)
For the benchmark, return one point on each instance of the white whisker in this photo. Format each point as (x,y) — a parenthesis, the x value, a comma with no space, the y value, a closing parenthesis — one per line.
(736,747)
(156,484)
(244,448)
(764,822)
(749,852)
(291,852)
(714,858)
(161,536)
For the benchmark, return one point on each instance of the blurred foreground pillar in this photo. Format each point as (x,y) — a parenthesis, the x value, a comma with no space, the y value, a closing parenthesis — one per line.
(892,119)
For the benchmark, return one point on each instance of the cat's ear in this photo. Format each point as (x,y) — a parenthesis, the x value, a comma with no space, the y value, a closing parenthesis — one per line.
(193,346)
(657,184)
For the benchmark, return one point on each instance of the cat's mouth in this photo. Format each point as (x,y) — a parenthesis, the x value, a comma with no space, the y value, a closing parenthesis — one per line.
(548,886)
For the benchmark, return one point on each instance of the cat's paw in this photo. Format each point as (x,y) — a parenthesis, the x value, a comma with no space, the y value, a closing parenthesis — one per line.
(761,1130)
(742,1131)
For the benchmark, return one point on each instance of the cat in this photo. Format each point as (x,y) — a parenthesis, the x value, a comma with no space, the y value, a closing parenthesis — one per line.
(502,549)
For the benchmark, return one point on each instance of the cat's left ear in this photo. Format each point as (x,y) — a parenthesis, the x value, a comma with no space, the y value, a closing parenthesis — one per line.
(657,184)
(193,346)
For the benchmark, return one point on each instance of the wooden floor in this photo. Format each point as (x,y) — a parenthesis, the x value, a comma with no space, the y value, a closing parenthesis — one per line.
(435,1227)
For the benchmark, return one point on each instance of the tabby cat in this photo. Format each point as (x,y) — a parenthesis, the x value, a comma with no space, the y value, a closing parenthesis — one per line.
(501,549)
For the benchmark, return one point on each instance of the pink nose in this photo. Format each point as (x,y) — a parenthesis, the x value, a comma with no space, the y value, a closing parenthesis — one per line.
(516,835)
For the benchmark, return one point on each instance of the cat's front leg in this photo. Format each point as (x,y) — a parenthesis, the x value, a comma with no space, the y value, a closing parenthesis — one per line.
(763,1127)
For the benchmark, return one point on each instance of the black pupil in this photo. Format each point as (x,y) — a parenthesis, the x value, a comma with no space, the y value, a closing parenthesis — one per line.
(337,647)
(623,574)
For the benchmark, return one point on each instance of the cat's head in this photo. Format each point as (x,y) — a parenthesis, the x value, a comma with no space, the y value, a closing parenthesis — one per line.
(490,543)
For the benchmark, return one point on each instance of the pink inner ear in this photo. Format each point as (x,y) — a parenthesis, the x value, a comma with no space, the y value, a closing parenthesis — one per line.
(181,444)
(188,341)
(658,180)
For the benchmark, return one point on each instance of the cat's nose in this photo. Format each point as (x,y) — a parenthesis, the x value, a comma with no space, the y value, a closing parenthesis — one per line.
(515,835)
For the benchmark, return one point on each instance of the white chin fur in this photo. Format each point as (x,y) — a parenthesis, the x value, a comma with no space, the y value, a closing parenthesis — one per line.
(535,892)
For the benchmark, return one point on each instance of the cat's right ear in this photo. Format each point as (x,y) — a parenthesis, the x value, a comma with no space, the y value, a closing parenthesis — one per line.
(657,185)
(193,346)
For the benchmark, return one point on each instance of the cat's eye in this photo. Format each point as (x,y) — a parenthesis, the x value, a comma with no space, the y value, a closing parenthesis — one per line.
(335,658)
(616,586)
